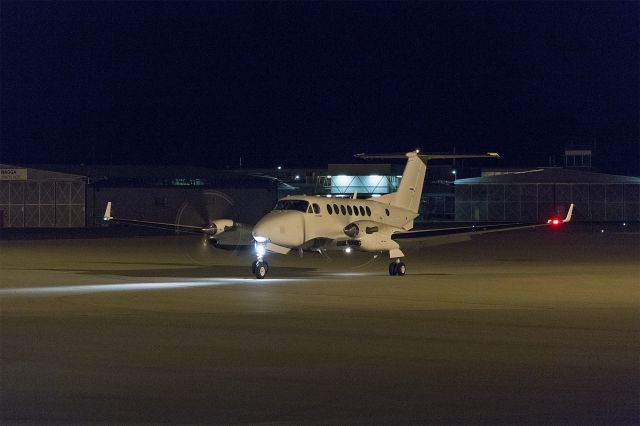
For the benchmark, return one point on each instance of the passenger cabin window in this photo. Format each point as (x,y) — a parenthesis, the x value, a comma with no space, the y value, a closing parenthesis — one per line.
(316,208)
(343,210)
(335,207)
(386,211)
(309,210)
(368,211)
(355,210)
(329,209)
(299,205)
(349,210)
(361,211)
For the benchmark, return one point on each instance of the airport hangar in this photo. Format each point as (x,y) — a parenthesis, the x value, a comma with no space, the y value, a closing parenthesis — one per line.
(62,196)
(534,195)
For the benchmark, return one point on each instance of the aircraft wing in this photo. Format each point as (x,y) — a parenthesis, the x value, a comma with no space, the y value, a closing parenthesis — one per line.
(233,238)
(463,233)
(149,224)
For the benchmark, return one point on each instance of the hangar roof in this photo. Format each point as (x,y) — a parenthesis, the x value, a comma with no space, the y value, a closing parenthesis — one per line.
(550,175)
(34,173)
(109,176)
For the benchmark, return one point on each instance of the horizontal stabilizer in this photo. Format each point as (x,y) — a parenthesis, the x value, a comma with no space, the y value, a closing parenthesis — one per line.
(426,157)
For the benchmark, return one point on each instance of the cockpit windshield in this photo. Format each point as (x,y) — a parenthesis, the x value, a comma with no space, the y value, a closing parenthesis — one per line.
(299,205)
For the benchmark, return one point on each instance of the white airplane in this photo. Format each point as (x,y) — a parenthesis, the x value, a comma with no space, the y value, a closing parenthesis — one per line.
(372,225)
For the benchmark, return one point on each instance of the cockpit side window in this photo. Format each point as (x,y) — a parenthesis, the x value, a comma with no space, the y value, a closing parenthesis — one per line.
(299,205)
(316,208)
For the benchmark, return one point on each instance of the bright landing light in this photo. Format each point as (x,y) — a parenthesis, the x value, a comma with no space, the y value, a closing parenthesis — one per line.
(347,250)
(260,239)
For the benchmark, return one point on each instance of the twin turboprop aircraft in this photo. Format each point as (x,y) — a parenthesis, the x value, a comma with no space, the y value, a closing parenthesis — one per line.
(370,225)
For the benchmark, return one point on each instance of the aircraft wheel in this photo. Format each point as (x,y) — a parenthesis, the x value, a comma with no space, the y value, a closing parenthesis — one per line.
(261,269)
(401,269)
(393,268)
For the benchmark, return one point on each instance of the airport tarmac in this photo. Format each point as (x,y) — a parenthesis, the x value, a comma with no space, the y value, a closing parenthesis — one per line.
(526,327)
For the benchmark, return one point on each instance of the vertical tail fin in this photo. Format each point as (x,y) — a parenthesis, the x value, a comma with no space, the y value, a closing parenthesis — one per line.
(410,189)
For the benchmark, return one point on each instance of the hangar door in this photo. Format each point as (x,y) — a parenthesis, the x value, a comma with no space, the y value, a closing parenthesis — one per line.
(42,204)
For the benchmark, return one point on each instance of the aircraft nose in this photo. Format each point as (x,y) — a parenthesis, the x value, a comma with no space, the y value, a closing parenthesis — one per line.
(284,229)
(265,229)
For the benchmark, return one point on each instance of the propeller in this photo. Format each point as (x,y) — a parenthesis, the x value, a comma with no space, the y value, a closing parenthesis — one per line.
(215,212)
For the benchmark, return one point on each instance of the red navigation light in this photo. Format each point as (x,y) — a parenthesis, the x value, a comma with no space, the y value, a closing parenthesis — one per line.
(555,221)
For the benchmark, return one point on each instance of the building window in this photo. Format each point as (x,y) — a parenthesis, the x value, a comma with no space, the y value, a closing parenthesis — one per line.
(329,209)
(343,210)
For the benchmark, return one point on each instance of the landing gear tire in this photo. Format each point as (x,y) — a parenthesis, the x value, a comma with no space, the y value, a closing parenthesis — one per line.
(393,268)
(401,269)
(261,269)
(397,268)
(253,266)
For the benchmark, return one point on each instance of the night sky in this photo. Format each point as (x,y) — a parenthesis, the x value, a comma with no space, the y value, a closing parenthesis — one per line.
(303,85)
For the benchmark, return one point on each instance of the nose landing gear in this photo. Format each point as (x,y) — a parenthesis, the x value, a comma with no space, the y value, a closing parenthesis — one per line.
(260,268)
(397,268)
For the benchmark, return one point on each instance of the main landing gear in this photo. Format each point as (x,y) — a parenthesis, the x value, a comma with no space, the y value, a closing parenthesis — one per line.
(260,268)
(397,268)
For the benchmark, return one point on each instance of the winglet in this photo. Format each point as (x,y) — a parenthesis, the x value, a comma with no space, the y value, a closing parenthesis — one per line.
(569,214)
(107,213)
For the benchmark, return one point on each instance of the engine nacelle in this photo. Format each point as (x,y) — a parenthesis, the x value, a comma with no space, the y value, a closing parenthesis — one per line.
(360,228)
(377,242)
(370,236)
(217,227)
